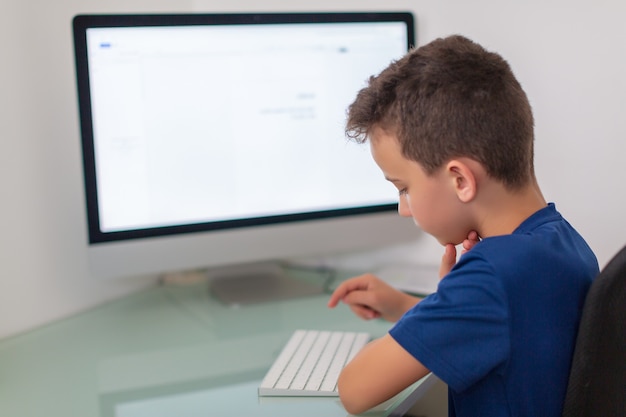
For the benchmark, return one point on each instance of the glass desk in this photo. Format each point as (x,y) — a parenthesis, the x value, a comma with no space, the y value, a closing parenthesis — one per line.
(167,351)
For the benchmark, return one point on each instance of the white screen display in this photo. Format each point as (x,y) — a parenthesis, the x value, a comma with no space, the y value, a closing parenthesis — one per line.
(194,124)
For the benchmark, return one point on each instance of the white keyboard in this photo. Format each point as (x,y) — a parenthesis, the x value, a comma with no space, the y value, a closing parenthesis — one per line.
(310,363)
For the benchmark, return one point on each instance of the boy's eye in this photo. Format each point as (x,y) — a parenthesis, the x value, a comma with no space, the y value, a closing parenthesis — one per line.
(402,191)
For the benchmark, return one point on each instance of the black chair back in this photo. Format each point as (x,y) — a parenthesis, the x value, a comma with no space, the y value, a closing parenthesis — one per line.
(597,382)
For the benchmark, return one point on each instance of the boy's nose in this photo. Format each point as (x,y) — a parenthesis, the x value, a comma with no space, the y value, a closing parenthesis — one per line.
(403,207)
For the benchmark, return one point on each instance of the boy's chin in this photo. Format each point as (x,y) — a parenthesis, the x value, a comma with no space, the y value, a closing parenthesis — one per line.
(448,240)
(448,237)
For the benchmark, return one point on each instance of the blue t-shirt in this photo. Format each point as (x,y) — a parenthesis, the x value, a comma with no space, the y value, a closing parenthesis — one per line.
(501,328)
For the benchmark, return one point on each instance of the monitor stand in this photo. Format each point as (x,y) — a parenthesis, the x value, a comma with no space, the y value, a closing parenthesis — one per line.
(258,283)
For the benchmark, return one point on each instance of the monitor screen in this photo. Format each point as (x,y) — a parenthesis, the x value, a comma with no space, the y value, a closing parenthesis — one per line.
(229,128)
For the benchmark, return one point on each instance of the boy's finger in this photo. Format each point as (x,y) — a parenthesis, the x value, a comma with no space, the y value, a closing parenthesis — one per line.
(365,312)
(447,260)
(344,289)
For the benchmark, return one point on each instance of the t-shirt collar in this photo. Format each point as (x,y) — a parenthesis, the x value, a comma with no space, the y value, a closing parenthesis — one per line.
(544,215)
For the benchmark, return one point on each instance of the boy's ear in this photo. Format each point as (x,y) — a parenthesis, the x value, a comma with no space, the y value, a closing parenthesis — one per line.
(463,180)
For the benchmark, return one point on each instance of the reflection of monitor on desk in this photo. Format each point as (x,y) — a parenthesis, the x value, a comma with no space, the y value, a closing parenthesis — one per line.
(212,140)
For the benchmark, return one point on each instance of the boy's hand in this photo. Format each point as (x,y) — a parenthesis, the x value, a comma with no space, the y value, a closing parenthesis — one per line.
(449,255)
(369,297)
(471,241)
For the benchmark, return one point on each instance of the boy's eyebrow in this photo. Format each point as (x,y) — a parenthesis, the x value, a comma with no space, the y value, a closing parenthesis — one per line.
(394,180)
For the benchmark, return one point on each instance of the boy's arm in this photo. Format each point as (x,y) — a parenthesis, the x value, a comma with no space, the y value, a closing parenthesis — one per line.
(379,371)
(382,368)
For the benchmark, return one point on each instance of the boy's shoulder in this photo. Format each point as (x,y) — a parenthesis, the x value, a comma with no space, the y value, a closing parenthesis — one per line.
(545,243)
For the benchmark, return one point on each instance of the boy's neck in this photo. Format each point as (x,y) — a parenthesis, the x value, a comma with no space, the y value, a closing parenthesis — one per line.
(505,210)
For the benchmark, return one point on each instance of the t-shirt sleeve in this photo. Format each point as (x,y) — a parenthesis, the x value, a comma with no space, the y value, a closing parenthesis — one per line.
(461,332)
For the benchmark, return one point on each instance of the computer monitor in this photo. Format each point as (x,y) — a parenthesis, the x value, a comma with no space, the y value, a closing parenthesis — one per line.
(218,139)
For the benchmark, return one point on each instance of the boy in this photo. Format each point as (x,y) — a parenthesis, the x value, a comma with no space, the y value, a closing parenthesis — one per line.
(452,129)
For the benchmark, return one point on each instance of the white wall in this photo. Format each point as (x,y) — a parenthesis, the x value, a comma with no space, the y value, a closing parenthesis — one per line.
(570,56)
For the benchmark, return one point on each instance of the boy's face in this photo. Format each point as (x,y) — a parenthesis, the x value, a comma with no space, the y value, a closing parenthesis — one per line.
(430,200)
